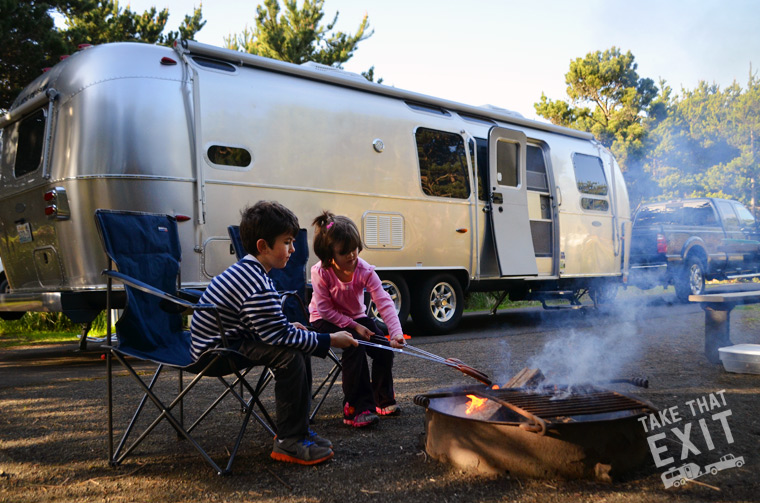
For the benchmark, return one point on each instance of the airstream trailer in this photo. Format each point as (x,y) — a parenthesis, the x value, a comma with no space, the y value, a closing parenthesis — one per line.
(449,197)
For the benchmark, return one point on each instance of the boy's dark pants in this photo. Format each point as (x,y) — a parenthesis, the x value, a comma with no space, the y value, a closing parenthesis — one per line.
(358,390)
(292,385)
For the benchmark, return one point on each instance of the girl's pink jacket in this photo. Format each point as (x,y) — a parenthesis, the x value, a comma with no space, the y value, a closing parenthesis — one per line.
(341,303)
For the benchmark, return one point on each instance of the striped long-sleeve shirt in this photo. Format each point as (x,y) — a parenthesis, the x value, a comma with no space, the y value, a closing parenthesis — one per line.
(250,309)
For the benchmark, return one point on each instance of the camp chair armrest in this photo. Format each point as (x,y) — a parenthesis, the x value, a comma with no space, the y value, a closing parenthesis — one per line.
(144,287)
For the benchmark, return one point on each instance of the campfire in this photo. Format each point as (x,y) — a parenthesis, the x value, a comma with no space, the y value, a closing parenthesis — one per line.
(530,428)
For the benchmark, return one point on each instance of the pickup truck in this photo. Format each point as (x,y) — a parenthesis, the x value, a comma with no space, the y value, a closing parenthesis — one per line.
(686,241)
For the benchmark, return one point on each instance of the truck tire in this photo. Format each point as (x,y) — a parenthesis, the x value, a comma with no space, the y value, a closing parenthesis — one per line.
(396,286)
(437,304)
(691,279)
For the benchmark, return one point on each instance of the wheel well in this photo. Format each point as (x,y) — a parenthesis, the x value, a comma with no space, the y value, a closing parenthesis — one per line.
(699,253)
(413,277)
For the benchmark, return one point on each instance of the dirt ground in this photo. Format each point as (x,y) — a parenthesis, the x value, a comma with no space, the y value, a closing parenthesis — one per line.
(53,423)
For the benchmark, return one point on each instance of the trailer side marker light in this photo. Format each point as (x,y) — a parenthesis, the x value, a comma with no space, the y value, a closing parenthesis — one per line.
(182,218)
(49,195)
(462,230)
(51,210)
(168,61)
(64,56)
(84,46)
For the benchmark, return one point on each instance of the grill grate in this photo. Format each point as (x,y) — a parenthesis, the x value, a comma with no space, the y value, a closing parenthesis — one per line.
(554,405)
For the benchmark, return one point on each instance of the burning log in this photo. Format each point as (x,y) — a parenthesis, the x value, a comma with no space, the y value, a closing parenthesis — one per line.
(526,378)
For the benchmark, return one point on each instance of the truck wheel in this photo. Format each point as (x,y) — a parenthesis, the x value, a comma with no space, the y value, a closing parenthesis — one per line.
(714,470)
(438,303)
(397,288)
(691,279)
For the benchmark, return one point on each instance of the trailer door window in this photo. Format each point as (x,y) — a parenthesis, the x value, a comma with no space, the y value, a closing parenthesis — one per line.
(443,164)
(31,138)
(589,174)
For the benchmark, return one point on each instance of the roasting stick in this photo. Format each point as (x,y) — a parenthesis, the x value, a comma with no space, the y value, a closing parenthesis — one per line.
(425,355)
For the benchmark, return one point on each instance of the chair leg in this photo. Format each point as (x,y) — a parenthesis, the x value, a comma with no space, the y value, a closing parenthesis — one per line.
(329,381)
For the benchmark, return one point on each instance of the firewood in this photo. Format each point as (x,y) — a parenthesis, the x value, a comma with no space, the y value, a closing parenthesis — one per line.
(526,378)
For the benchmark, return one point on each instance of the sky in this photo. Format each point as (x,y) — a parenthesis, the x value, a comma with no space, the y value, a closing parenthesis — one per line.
(507,53)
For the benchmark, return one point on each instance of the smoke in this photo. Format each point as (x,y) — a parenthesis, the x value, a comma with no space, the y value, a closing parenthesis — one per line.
(578,358)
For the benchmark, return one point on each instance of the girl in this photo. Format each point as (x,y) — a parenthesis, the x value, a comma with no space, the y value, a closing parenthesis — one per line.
(337,303)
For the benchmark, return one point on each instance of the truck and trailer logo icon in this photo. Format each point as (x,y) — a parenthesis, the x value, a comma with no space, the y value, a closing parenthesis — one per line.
(677,476)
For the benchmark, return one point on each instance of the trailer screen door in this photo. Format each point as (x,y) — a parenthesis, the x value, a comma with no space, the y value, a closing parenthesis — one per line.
(509,203)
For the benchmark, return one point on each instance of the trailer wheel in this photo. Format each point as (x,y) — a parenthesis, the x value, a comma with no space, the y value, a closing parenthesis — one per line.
(438,303)
(397,288)
(691,279)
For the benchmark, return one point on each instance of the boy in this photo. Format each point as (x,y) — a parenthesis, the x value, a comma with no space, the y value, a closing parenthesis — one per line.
(254,324)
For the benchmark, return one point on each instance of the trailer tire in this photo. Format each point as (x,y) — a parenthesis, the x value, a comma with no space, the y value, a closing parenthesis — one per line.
(437,304)
(396,286)
(690,279)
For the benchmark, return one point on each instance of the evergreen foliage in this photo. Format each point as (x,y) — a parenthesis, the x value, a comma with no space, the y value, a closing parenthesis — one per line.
(297,35)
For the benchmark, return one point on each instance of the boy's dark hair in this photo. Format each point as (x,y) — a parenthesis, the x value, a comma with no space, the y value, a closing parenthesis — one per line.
(266,220)
(331,230)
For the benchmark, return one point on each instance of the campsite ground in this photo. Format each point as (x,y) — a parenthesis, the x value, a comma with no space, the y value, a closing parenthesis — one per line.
(53,420)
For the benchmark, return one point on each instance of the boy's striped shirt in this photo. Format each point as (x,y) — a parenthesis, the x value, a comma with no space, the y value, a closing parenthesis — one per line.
(249,306)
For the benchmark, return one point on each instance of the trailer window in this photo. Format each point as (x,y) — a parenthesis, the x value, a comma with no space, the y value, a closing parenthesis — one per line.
(31,138)
(229,156)
(443,164)
(536,169)
(589,174)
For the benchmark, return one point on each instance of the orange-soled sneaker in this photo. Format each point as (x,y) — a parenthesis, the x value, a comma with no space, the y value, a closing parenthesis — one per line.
(390,410)
(301,451)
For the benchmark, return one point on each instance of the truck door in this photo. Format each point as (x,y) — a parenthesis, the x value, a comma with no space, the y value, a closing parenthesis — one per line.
(510,221)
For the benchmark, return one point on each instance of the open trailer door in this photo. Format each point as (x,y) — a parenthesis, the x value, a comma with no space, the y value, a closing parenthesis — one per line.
(507,152)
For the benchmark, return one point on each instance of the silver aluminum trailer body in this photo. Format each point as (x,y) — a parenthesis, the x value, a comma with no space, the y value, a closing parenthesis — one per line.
(200,132)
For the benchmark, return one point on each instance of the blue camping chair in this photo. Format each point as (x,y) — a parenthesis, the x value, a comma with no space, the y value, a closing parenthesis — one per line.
(291,284)
(146,251)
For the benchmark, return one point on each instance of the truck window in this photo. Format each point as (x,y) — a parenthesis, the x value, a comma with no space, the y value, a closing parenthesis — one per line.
(589,174)
(745,217)
(443,164)
(730,220)
(656,214)
(698,213)
(31,138)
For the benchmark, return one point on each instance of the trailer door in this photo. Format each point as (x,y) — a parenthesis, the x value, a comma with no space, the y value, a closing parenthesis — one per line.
(509,202)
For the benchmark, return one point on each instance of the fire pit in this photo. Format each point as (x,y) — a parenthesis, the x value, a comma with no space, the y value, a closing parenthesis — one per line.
(545,432)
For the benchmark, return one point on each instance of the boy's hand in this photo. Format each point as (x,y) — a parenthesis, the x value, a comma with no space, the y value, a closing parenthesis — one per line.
(342,339)
(397,341)
(364,332)
(299,325)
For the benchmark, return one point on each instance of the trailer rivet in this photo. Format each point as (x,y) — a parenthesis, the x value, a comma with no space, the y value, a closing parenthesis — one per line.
(378,145)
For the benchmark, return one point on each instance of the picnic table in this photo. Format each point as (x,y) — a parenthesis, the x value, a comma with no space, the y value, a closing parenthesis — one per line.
(717,308)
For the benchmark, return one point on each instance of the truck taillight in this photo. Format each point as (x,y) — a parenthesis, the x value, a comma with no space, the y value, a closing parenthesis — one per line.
(662,244)
(57,204)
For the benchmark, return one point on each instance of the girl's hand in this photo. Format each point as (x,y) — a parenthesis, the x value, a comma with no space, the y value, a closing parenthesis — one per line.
(363,332)
(397,341)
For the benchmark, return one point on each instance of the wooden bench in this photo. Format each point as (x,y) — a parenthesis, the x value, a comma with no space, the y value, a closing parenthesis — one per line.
(717,308)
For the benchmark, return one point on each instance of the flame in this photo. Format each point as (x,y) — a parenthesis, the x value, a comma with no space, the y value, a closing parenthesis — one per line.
(474,404)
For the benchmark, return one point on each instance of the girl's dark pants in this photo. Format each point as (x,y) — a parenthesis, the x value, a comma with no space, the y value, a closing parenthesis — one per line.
(359,390)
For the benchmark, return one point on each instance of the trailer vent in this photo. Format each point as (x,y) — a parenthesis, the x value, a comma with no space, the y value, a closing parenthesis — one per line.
(383,230)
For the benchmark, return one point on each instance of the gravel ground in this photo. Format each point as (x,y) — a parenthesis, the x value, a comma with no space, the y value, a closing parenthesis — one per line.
(53,423)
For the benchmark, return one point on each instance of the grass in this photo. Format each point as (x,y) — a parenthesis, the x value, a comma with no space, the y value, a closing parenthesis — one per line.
(45,328)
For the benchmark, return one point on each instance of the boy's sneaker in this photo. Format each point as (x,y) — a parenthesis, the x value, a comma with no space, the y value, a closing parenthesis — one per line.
(351,418)
(302,451)
(320,441)
(391,410)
